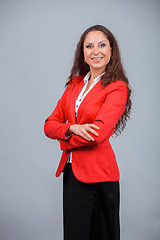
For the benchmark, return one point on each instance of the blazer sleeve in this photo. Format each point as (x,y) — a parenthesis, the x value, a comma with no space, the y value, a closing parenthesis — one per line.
(56,124)
(106,119)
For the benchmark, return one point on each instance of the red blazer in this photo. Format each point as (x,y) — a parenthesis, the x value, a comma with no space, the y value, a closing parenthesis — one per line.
(92,161)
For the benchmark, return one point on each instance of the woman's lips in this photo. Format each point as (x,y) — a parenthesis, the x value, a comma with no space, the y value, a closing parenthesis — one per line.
(97,59)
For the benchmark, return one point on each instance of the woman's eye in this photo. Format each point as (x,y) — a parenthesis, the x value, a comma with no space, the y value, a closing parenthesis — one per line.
(103,45)
(88,46)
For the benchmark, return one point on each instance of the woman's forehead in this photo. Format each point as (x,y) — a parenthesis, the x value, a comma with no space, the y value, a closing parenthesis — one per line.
(95,36)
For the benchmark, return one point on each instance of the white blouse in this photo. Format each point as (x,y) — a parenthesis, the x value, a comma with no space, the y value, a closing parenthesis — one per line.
(81,97)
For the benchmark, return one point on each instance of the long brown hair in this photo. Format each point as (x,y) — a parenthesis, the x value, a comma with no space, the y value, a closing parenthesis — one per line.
(114,70)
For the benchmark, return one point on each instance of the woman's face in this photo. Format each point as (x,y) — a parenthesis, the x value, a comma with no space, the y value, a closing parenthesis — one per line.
(97,51)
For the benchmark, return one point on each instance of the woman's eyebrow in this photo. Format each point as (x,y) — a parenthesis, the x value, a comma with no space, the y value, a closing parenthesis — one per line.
(103,41)
(99,42)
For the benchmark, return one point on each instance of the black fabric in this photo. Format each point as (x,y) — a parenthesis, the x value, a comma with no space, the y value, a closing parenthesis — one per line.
(90,210)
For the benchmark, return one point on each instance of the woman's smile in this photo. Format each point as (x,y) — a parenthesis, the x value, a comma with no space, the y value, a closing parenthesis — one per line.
(97,51)
(97,59)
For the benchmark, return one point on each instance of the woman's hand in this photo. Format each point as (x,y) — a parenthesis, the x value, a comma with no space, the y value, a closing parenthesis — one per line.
(82,130)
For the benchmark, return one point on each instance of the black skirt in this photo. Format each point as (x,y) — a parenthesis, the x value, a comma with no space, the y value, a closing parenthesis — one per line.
(90,210)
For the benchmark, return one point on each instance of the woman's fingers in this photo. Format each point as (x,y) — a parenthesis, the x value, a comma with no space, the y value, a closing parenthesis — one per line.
(92,131)
(86,135)
(89,128)
(92,125)
(83,130)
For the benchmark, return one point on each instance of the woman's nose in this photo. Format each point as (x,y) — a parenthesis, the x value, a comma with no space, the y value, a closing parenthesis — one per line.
(95,50)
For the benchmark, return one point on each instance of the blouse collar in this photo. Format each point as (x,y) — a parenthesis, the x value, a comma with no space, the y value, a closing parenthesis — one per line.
(95,80)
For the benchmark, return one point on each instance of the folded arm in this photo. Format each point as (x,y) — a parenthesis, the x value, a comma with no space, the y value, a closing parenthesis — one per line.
(106,119)
(55,125)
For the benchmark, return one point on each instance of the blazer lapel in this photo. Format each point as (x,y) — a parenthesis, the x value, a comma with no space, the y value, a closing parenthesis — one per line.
(92,93)
(73,96)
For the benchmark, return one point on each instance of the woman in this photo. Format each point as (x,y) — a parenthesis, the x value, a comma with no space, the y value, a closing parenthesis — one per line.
(95,104)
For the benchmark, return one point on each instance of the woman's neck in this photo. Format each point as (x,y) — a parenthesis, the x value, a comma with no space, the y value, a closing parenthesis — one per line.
(94,74)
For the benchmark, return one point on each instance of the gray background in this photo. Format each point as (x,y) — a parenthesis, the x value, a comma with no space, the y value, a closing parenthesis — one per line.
(37,44)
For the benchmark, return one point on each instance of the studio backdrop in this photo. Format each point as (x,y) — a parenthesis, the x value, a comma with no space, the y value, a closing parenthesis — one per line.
(38,39)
